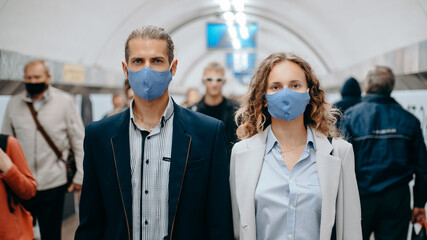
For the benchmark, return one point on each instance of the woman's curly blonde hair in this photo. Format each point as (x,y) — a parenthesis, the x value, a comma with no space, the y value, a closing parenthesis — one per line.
(253,116)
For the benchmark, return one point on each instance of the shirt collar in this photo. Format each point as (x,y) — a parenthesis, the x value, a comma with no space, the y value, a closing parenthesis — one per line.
(310,139)
(272,140)
(165,117)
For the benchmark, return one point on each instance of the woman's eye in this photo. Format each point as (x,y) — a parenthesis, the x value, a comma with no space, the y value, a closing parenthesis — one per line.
(275,87)
(295,86)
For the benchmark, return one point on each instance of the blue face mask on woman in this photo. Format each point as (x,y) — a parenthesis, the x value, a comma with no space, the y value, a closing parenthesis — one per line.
(287,104)
(149,84)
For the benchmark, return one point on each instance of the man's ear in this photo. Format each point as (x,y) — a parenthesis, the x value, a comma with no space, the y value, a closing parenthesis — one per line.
(48,79)
(125,69)
(174,66)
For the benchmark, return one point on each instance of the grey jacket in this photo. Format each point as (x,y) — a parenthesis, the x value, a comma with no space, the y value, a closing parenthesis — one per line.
(59,117)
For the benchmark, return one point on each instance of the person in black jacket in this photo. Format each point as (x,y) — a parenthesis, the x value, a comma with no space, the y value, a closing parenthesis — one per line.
(389,150)
(351,95)
(214,104)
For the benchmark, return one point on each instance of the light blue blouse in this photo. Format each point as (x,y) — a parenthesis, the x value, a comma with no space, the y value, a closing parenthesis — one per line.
(288,203)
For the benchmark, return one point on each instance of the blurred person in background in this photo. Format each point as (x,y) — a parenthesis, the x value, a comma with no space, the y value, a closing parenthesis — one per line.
(58,115)
(119,104)
(16,183)
(350,96)
(389,149)
(291,177)
(192,97)
(214,104)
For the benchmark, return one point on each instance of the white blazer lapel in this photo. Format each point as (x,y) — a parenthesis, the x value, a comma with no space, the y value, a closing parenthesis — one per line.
(249,165)
(329,172)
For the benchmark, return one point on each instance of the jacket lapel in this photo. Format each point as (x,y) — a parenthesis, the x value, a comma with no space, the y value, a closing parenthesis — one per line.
(181,143)
(329,172)
(247,176)
(121,148)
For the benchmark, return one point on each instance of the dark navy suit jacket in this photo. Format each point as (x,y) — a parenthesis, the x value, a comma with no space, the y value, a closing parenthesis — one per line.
(199,193)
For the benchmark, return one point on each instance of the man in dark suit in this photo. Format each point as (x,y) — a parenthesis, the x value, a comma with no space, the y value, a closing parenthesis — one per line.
(156,170)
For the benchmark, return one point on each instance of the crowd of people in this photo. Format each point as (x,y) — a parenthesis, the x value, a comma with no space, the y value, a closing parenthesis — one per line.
(281,163)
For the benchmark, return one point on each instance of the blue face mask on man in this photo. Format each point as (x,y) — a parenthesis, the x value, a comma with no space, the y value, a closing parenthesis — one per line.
(286,104)
(149,84)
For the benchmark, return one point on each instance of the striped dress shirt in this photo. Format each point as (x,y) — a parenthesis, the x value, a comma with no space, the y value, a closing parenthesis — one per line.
(150,181)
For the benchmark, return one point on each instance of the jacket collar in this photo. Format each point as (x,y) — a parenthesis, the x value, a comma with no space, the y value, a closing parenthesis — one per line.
(120,145)
(181,142)
(379,98)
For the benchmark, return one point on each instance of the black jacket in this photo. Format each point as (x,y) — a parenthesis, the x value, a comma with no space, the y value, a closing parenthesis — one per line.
(199,194)
(388,146)
(227,117)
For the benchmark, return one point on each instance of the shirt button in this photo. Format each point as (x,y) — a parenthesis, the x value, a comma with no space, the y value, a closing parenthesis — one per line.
(148,138)
(147,161)
(290,236)
(291,207)
(146,191)
(146,222)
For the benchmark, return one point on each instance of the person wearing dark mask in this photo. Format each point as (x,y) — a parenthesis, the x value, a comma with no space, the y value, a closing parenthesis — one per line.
(57,114)
(155,170)
(351,95)
(290,176)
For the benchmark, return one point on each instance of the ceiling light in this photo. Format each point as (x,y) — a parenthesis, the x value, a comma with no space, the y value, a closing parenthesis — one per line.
(244,32)
(241,18)
(228,16)
(239,5)
(224,5)
(236,43)
(232,31)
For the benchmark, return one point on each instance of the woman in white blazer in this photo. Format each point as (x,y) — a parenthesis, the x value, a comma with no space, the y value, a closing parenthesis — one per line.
(290,176)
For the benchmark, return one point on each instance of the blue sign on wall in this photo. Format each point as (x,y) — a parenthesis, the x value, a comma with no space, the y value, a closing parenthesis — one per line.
(217,36)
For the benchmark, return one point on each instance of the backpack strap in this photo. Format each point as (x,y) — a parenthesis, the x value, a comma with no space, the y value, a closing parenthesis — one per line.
(43,132)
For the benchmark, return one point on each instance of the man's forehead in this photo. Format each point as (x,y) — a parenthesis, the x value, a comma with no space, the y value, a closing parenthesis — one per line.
(35,67)
(213,72)
(152,47)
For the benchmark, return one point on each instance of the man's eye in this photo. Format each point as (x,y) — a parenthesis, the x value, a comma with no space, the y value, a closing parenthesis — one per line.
(137,61)
(158,61)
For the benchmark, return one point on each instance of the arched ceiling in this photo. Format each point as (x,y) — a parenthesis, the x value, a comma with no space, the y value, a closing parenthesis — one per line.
(331,34)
